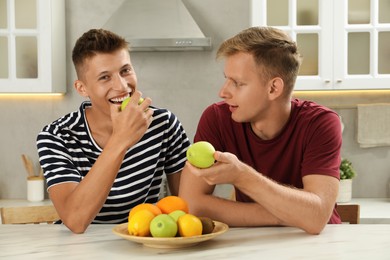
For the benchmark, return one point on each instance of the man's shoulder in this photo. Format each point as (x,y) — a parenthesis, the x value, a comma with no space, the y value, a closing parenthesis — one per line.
(161,115)
(221,105)
(312,117)
(72,121)
(160,111)
(218,109)
(164,119)
(218,117)
(310,108)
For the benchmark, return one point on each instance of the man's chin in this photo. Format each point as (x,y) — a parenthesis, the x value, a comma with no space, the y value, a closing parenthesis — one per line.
(237,119)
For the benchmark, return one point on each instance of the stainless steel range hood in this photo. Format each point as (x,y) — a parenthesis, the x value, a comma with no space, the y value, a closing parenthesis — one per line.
(158,25)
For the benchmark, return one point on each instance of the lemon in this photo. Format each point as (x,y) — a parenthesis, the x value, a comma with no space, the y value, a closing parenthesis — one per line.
(139,223)
(189,225)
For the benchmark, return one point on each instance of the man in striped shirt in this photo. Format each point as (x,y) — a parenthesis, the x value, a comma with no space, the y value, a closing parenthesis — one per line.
(99,162)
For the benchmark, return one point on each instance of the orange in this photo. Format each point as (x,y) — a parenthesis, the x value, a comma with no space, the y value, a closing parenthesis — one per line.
(139,224)
(171,203)
(189,225)
(148,206)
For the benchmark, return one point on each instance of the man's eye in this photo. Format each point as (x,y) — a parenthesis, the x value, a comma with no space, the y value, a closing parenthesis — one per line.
(126,71)
(239,84)
(104,77)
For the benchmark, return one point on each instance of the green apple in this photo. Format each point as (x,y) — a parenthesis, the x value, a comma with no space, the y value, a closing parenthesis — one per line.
(163,226)
(126,101)
(201,154)
(176,214)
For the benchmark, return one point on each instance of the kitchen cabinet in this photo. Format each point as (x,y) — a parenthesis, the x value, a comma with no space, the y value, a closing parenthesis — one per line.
(345,44)
(32,46)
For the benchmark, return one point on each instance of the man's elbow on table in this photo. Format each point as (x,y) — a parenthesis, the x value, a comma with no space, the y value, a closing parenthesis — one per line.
(314,227)
(315,230)
(77,229)
(76,226)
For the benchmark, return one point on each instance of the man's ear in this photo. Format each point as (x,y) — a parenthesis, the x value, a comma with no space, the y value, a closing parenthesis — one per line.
(276,88)
(80,88)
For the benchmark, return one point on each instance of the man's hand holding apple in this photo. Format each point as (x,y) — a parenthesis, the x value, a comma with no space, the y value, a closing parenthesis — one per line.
(131,124)
(226,169)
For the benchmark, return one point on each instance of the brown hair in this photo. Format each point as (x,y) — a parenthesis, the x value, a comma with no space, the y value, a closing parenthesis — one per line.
(274,52)
(93,42)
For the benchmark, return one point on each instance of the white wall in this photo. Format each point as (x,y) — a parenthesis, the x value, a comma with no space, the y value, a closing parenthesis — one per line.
(184,82)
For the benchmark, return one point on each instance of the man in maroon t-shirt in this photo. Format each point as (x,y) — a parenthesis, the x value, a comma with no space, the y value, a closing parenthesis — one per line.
(282,155)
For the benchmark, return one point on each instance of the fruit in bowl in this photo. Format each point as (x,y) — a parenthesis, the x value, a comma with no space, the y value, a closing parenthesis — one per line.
(163,225)
(171,203)
(168,218)
(148,206)
(189,225)
(139,223)
(176,214)
(208,225)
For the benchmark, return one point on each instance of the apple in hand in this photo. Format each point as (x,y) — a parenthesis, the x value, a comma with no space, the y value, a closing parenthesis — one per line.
(126,101)
(163,226)
(176,214)
(201,154)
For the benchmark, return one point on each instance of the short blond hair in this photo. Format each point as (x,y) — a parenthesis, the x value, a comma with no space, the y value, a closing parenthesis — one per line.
(274,52)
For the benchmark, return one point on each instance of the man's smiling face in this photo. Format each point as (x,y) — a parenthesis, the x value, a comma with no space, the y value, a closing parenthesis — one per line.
(108,79)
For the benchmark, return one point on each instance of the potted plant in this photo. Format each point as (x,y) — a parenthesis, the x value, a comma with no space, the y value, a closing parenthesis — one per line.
(347,173)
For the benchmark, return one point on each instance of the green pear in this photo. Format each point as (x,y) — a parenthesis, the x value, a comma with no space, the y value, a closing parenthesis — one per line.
(126,101)
(201,154)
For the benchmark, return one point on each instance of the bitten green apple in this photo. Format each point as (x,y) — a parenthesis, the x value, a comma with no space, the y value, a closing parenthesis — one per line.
(201,154)
(176,214)
(163,226)
(126,101)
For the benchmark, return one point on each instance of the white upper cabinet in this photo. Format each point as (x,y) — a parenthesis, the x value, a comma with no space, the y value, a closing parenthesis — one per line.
(32,46)
(345,44)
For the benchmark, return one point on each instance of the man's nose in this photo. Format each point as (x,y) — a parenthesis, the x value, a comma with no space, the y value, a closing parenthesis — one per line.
(223,92)
(120,83)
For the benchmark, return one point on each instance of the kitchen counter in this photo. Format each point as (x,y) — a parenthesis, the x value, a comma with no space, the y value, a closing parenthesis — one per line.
(372,210)
(22,203)
(99,242)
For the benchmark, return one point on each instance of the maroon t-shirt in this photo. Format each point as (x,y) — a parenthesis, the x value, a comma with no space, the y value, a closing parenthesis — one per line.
(309,143)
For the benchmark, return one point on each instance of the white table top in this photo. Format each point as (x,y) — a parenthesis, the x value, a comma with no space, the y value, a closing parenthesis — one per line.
(99,242)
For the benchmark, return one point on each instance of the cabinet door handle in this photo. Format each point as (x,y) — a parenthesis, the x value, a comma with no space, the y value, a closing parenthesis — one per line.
(327,80)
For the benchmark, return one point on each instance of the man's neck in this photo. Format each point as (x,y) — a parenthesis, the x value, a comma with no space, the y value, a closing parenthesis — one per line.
(273,124)
(100,129)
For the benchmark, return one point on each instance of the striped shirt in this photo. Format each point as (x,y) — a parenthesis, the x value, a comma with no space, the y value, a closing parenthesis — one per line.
(67,152)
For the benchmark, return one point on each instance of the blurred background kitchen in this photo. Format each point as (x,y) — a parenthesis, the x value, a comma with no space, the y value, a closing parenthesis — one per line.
(187,81)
